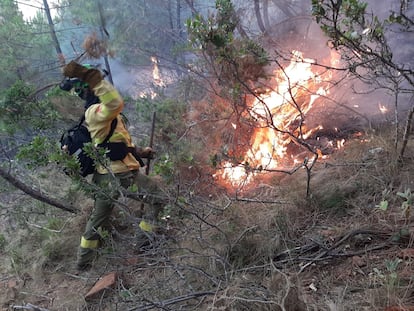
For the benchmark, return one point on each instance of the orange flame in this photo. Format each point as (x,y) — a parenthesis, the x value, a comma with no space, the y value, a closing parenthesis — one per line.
(382,108)
(156,75)
(296,90)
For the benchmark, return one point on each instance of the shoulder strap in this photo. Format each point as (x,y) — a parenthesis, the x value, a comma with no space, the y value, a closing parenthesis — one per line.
(130,149)
(111,132)
(82,118)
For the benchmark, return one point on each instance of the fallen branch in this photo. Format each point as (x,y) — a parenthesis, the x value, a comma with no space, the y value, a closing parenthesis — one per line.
(170,301)
(29,307)
(337,244)
(322,253)
(34,193)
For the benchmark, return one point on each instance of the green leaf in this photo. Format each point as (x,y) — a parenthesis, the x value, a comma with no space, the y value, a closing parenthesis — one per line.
(383,206)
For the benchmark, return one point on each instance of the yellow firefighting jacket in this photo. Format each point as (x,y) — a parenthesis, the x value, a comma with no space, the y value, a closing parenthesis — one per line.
(98,120)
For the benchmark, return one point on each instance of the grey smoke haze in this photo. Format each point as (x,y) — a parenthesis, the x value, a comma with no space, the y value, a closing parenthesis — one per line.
(131,80)
(302,33)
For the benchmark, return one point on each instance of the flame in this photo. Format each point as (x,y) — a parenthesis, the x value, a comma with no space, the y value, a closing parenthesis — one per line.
(279,112)
(382,108)
(340,144)
(156,75)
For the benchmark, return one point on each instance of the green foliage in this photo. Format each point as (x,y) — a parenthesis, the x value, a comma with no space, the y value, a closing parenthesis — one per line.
(215,35)
(51,250)
(389,278)
(12,35)
(383,205)
(25,47)
(172,148)
(406,205)
(170,123)
(18,110)
(37,152)
(14,104)
(217,29)
(348,25)
(235,60)
(165,167)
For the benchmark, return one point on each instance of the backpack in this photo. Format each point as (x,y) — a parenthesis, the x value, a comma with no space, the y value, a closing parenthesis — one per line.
(77,136)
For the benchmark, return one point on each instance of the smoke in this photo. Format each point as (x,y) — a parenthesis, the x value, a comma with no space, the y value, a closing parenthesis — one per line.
(131,80)
(351,101)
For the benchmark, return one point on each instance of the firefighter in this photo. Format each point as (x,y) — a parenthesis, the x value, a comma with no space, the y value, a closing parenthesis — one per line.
(103,103)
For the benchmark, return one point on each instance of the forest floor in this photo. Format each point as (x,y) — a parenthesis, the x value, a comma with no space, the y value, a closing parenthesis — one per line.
(350,246)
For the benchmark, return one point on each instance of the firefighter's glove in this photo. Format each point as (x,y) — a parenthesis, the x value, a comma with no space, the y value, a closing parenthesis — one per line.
(146,153)
(88,75)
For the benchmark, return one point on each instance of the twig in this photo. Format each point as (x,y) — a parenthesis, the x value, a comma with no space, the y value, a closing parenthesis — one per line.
(47,229)
(29,307)
(259,201)
(343,239)
(296,254)
(174,300)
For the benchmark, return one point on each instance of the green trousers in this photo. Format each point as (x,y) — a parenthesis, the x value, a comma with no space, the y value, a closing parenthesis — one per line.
(104,203)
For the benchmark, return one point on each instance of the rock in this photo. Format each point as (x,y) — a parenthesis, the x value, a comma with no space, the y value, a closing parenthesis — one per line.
(105,282)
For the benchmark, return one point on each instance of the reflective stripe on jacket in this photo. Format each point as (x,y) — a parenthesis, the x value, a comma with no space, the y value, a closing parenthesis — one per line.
(99,117)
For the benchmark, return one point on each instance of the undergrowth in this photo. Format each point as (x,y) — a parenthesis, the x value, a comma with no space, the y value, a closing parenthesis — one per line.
(337,250)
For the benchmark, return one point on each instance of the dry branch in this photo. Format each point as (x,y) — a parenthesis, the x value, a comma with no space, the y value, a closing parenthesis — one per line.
(174,300)
(29,307)
(407,130)
(34,193)
(319,252)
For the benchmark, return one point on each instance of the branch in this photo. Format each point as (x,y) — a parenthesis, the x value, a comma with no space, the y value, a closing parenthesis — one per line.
(322,253)
(170,301)
(34,193)
(29,307)
(407,130)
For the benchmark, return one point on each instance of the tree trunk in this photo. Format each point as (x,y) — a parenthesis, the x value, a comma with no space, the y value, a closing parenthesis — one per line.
(61,57)
(34,193)
(104,33)
(259,16)
(170,19)
(407,131)
(178,18)
(266,14)
(190,4)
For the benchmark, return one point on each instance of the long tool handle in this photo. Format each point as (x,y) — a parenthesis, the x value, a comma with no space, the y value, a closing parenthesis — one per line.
(151,142)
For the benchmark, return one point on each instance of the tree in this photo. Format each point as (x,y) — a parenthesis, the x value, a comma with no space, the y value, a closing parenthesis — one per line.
(53,33)
(15,38)
(147,29)
(259,16)
(238,73)
(363,41)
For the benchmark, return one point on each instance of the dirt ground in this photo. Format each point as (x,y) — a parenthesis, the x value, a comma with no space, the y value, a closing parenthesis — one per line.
(341,252)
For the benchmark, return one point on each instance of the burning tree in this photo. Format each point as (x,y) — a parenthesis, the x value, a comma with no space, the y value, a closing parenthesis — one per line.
(261,101)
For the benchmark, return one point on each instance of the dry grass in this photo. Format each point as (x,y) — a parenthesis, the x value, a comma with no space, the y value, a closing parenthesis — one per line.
(219,253)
